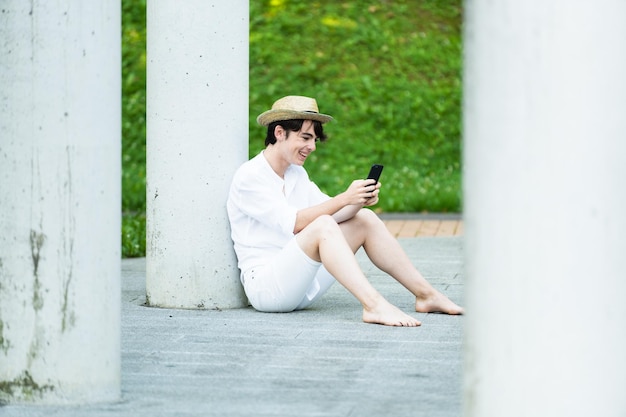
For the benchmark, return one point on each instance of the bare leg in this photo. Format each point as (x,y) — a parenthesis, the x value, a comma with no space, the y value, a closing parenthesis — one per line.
(367,230)
(324,241)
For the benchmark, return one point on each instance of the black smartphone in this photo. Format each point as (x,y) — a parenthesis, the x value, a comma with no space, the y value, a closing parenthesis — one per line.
(375,172)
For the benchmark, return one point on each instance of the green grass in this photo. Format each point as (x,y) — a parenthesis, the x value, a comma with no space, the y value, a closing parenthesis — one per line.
(389,72)
(133,128)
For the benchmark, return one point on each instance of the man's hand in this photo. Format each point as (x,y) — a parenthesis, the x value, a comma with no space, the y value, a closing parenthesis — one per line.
(362,193)
(359,194)
(373,200)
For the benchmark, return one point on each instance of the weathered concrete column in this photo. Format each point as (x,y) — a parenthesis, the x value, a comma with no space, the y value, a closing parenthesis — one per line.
(197,93)
(60,121)
(545,208)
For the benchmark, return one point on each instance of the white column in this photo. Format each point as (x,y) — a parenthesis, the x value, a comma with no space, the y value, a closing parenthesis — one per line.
(545,208)
(60,201)
(197,93)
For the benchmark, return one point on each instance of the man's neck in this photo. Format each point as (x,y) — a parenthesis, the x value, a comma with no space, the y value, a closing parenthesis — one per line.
(278,165)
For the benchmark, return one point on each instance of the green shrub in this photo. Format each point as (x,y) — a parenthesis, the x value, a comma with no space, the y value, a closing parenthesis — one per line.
(390,75)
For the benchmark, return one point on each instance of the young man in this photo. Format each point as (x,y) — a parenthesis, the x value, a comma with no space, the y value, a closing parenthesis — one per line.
(293,241)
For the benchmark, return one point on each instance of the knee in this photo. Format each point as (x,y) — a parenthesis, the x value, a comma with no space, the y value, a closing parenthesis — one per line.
(325,224)
(367,218)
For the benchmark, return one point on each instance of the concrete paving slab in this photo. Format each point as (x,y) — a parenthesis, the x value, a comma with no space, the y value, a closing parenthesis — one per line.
(319,362)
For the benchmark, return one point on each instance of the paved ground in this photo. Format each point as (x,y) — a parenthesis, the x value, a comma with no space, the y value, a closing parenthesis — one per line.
(319,362)
(423,225)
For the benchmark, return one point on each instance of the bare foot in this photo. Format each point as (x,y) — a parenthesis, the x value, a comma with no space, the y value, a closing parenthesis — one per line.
(437,303)
(389,315)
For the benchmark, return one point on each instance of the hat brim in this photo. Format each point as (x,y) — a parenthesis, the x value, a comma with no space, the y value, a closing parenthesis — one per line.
(271,116)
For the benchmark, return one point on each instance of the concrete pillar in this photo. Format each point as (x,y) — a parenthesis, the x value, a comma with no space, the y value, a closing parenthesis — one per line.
(60,121)
(197,100)
(545,208)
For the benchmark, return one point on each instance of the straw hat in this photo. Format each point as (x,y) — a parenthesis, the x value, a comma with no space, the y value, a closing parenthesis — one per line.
(293,107)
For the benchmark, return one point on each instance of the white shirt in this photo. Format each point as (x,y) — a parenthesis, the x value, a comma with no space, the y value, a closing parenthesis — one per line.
(262,209)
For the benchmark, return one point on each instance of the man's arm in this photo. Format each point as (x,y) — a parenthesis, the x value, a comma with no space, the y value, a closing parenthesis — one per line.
(305,216)
(342,207)
(347,212)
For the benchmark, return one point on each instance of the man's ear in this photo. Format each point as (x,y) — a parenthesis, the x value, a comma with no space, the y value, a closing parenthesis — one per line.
(279,132)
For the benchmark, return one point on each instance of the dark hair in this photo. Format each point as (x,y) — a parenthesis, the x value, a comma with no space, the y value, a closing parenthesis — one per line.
(293,126)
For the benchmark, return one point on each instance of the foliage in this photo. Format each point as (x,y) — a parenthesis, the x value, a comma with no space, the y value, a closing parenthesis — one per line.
(133,235)
(388,71)
(133,128)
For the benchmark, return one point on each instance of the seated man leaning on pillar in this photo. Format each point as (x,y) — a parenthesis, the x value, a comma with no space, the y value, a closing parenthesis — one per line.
(292,241)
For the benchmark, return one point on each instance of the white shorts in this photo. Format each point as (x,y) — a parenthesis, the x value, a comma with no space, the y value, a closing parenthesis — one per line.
(290,281)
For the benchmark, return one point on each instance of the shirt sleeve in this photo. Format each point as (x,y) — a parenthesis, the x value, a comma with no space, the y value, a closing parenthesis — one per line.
(262,199)
(316,196)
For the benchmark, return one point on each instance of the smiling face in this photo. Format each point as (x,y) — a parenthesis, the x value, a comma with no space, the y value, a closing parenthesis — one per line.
(300,144)
(291,147)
